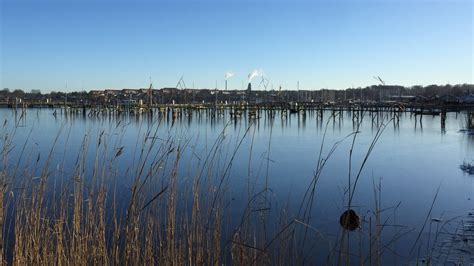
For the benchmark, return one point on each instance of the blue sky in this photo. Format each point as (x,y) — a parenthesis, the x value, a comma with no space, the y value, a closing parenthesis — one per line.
(49,45)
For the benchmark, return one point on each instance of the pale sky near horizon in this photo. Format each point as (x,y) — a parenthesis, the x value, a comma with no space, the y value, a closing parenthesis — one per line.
(74,45)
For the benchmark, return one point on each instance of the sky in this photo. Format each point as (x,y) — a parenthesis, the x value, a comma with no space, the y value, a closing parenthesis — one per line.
(75,45)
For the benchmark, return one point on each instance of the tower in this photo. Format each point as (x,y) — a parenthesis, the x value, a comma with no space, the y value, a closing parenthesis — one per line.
(249,91)
(150,94)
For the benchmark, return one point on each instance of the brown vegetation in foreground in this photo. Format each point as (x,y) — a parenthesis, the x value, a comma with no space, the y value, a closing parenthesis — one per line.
(80,216)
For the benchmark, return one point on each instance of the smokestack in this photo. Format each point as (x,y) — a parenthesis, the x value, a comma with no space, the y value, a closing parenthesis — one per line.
(249,90)
(150,94)
(252,75)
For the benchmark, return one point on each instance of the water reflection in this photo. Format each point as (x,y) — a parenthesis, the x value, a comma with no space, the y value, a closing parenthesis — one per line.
(216,117)
(419,153)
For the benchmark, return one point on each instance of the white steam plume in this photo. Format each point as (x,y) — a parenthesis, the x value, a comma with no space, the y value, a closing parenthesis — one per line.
(254,74)
(229,74)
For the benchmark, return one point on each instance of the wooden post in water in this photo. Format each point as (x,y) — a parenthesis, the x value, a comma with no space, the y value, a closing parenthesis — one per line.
(443,119)
(421,115)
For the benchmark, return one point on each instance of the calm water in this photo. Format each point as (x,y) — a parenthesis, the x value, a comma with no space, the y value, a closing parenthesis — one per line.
(410,159)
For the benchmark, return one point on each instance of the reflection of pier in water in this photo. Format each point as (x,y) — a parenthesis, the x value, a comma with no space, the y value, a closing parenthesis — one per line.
(375,114)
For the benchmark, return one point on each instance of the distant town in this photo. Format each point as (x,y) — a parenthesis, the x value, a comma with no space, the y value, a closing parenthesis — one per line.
(452,94)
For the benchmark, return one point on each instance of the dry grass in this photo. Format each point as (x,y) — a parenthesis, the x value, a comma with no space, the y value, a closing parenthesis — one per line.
(167,216)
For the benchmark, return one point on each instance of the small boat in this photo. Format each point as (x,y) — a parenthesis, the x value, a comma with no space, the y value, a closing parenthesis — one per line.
(467,131)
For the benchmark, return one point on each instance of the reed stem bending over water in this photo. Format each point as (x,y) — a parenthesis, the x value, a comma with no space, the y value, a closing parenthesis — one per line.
(105,209)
